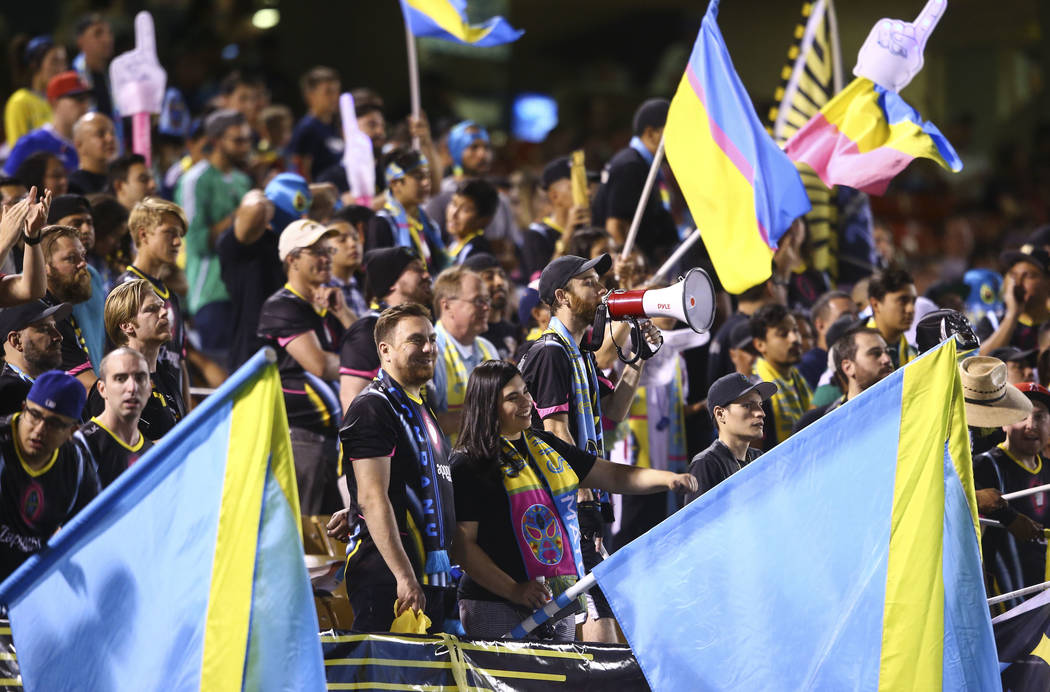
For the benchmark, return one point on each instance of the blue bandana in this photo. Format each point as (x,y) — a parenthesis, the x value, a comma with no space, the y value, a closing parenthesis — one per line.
(459,139)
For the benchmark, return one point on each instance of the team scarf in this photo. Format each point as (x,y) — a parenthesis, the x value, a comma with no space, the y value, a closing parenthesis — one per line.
(584,382)
(645,425)
(431,514)
(456,373)
(541,491)
(411,232)
(791,400)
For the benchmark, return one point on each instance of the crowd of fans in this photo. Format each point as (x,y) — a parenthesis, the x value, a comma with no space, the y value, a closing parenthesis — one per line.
(479,445)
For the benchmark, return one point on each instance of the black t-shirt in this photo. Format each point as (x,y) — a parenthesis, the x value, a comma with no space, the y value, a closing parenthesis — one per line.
(380,232)
(623,180)
(322,142)
(548,375)
(310,401)
(165,407)
(34,504)
(504,336)
(481,497)
(537,247)
(714,465)
(251,274)
(83,182)
(14,388)
(112,456)
(357,353)
(175,350)
(996,469)
(372,429)
(74,348)
(1025,336)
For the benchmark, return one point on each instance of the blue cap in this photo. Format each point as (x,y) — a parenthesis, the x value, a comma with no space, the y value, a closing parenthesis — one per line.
(59,393)
(459,139)
(291,198)
(174,118)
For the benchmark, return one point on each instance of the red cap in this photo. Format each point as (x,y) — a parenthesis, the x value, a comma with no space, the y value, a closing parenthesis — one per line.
(1035,391)
(66,83)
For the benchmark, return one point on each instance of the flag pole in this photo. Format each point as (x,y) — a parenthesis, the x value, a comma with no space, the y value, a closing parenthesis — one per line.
(658,158)
(564,600)
(413,76)
(1026,492)
(1020,592)
(683,248)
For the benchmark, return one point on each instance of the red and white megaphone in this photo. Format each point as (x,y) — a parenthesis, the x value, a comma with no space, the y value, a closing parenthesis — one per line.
(690,300)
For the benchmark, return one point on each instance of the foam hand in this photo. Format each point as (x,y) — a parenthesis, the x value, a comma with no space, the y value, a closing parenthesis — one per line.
(358,158)
(136,76)
(892,54)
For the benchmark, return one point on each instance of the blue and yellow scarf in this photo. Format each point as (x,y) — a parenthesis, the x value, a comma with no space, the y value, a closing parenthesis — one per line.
(414,233)
(585,400)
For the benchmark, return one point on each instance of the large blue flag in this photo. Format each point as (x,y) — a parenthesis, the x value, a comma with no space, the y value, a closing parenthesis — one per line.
(447,19)
(844,558)
(185,573)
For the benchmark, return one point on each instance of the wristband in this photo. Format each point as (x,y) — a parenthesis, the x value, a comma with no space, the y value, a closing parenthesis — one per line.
(32,241)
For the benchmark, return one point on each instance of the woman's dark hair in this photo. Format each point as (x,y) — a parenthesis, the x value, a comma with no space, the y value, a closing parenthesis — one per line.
(33,169)
(479,431)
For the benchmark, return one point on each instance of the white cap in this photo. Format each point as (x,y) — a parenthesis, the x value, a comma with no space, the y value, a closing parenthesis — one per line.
(300,234)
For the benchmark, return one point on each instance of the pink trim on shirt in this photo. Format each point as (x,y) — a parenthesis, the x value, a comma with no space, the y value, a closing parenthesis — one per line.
(392,452)
(367,374)
(293,391)
(551,410)
(283,341)
(83,367)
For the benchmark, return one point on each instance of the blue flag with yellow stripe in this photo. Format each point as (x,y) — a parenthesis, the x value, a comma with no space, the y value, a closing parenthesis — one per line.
(447,19)
(845,558)
(185,573)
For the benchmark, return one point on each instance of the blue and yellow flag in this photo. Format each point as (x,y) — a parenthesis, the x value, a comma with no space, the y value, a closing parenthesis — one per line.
(742,190)
(447,19)
(185,573)
(844,558)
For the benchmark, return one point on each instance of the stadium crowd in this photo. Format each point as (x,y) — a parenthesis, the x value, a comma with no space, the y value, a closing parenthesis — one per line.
(478,446)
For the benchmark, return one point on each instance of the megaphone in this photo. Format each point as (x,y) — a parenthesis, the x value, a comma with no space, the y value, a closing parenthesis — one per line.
(690,300)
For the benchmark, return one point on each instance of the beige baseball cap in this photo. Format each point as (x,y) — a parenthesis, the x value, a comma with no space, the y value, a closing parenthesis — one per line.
(300,234)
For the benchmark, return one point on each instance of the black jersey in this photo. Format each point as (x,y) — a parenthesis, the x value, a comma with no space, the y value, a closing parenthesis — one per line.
(75,358)
(14,388)
(111,455)
(175,350)
(165,407)
(311,402)
(357,353)
(35,503)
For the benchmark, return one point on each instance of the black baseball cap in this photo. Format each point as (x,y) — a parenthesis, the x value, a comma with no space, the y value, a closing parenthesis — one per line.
(558,273)
(729,388)
(19,317)
(383,267)
(841,327)
(1040,236)
(1011,354)
(1036,256)
(940,325)
(652,113)
(67,205)
(558,169)
(481,261)
(740,336)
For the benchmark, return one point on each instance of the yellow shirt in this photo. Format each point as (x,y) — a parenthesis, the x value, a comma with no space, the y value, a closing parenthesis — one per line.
(26,110)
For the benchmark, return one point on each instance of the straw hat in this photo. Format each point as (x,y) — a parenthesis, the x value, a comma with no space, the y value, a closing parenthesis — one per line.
(990,401)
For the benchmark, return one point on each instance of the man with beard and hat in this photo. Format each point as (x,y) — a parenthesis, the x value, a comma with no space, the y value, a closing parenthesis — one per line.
(68,281)
(779,347)
(209,193)
(75,211)
(393,276)
(572,396)
(861,359)
(32,346)
(401,505)
(500,332)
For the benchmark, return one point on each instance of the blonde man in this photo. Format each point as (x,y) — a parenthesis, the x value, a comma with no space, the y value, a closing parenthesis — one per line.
(461,303)
(136,317)
(157,226)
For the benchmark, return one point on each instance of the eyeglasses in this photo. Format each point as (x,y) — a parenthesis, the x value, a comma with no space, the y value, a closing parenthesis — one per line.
(51,423)
(319,251)
(479,301)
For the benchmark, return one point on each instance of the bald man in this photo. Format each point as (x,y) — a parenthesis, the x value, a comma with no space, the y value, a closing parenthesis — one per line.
(96,144)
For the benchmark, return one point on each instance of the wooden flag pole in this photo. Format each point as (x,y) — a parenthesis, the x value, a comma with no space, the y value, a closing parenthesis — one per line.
(413,77)
(658,159)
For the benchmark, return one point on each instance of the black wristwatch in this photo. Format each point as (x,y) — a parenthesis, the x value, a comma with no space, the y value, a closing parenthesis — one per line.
(32,241)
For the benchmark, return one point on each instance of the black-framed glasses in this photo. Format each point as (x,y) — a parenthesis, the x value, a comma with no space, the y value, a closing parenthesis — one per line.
(51,423)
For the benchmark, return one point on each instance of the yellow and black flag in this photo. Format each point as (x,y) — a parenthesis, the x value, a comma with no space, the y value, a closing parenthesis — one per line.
(809,78)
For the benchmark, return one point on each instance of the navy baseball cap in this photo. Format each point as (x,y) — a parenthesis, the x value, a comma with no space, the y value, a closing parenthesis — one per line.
(729,388)
(559,272)
(17,318)
(59,393)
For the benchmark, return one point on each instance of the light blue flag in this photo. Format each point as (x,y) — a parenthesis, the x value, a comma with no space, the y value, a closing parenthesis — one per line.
(844,558)
(447,19)
(187,572)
